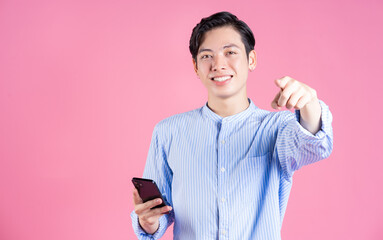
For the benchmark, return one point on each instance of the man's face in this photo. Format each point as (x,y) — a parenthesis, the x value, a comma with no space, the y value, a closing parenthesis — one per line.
(222,63)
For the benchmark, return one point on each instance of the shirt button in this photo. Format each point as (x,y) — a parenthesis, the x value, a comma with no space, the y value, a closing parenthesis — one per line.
(222,169)
(223,199)
(223,232)
(223,141)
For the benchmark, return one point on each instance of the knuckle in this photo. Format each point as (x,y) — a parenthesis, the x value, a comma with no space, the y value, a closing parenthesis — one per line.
(152,203)
(284,95)
(148,204)
(156,212)
(159,211)
(138,211)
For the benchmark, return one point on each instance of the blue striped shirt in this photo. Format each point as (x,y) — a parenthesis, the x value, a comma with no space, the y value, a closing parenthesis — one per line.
(230,178)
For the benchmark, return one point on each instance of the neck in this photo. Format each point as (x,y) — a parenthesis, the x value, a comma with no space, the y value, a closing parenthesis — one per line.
(225,107)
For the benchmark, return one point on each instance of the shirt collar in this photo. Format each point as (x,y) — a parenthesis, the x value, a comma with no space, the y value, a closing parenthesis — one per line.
(207,112)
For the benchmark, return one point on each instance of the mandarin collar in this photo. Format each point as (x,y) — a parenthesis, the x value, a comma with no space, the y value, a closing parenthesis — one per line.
(207,112)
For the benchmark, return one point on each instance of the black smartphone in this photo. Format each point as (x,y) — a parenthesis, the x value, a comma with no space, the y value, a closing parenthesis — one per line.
(148,190)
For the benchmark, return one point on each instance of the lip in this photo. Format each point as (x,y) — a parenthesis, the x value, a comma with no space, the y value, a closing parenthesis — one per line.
(224,82)
(219,76)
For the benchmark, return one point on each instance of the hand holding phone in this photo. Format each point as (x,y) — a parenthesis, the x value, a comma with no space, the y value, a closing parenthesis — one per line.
(149,204)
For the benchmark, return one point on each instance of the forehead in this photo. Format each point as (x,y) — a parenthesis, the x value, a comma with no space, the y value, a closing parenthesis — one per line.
(219,37)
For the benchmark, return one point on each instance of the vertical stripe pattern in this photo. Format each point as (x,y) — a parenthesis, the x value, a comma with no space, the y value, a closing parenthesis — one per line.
(230,178)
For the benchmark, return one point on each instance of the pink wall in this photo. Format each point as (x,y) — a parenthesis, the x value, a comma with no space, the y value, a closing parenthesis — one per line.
(82,84)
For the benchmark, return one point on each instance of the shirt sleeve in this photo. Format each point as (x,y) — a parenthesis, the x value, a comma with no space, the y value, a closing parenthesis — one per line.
(142,235)
(297,147)
(157,169)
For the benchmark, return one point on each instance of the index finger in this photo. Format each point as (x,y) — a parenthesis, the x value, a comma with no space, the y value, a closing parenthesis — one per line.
(282,82)
(136,197)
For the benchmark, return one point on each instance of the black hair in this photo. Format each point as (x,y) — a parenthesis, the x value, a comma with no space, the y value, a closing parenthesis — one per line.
(217,20)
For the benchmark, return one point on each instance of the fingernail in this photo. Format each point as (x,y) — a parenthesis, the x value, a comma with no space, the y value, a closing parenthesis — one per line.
(158,200)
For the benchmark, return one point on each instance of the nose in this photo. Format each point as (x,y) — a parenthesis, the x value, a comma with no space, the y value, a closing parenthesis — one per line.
(219,63)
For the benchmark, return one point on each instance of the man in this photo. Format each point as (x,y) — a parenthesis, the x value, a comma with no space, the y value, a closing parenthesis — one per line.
(226,168)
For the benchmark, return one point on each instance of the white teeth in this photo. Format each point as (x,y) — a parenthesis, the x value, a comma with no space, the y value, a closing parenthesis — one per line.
(221,79)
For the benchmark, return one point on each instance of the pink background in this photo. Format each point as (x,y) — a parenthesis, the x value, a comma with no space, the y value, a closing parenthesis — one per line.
(82,84)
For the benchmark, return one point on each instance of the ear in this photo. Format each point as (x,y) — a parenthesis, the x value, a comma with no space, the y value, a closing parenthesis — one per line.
(252,60)
(195,67)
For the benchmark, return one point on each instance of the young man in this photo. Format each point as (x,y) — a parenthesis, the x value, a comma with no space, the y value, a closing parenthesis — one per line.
(226,168)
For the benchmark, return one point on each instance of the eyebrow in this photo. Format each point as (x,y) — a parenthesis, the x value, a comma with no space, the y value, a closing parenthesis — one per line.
(226,46)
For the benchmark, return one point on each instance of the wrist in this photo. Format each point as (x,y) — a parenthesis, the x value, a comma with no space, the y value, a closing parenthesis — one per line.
(149,228)
(310,116)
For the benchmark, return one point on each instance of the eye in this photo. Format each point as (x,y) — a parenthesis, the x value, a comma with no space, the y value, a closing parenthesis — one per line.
(231,53)
(205,56)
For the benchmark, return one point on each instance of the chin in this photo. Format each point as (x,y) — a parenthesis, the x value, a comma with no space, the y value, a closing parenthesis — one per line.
(227,94)
(224,95)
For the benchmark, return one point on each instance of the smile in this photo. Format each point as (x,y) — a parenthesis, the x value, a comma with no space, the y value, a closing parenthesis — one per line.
(222,79)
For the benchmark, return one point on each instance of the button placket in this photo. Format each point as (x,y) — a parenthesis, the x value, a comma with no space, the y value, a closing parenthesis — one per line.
(222,155)
(223,149)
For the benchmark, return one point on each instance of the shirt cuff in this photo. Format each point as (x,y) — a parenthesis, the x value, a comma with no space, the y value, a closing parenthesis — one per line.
(326,120)
(141,234)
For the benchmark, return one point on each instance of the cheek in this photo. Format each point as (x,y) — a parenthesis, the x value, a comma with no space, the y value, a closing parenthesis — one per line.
(241,67)
(203,69)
